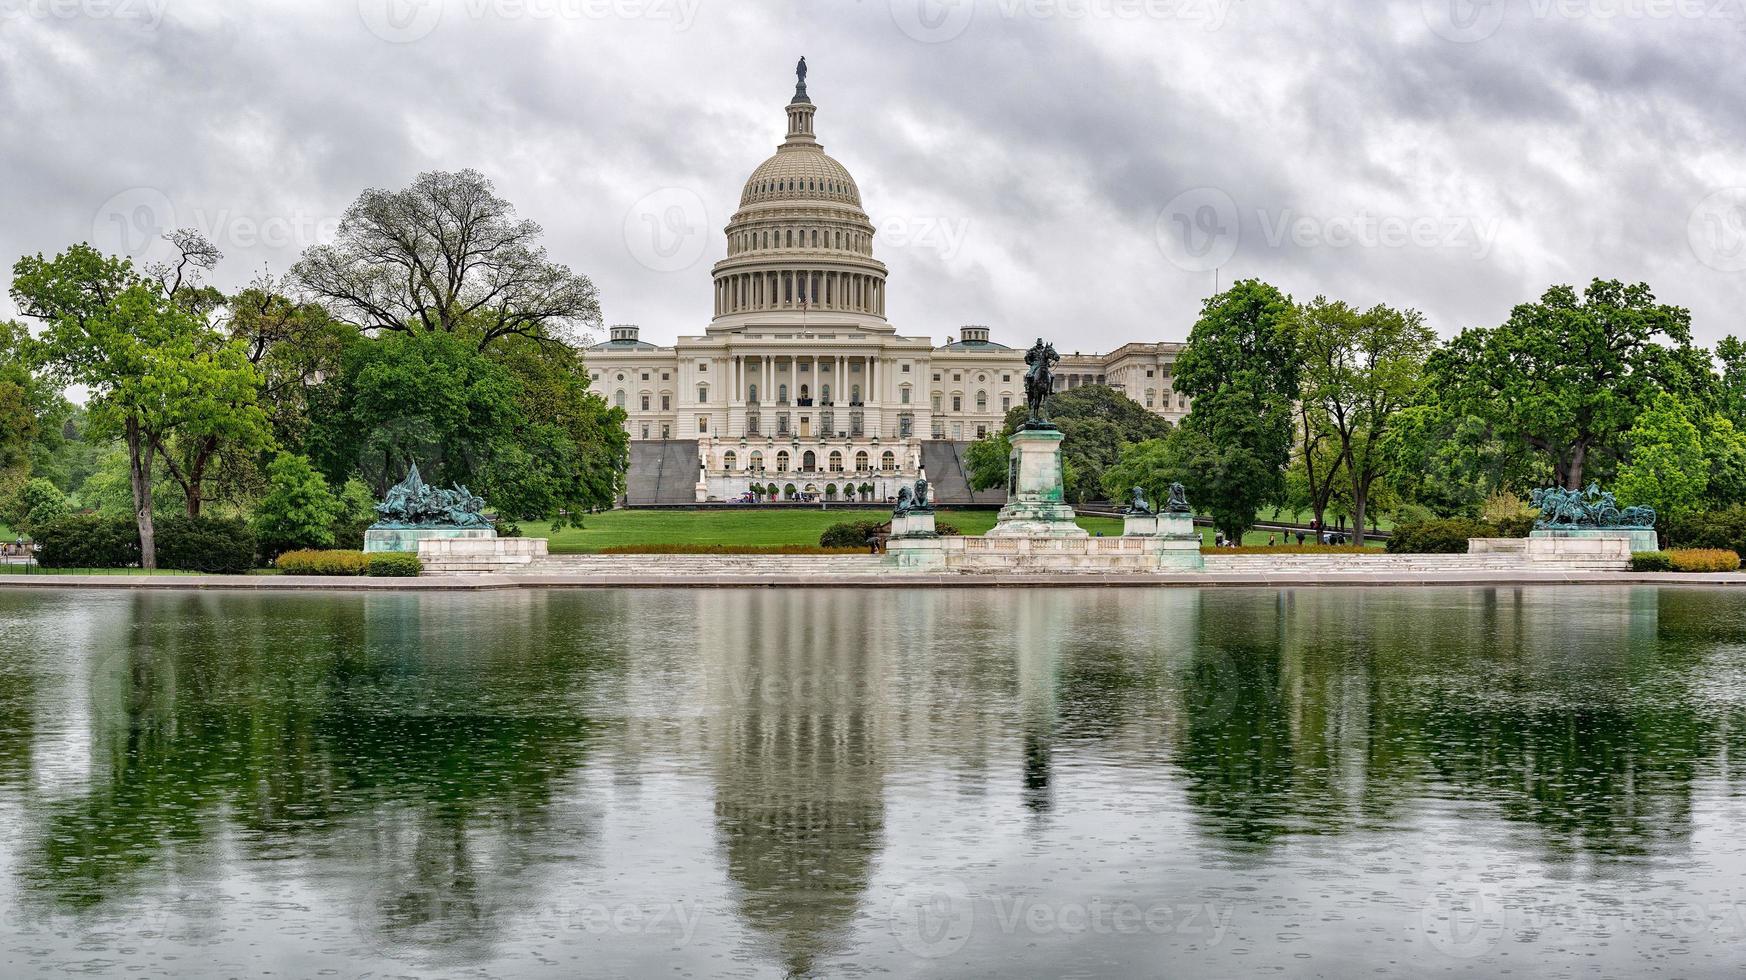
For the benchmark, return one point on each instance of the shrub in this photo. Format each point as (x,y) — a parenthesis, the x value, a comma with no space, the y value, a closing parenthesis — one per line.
(38,502)
(214,545)
(1703,560)
(1515,525)
(87,541)
(849,534)
(321,563)
(1712,529)
(299,511)
(1651,561)
(392,564)
(1438,537)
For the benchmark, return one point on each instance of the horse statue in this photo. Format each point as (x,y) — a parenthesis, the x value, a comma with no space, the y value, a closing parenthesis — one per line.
(1564,509)
(1039,383)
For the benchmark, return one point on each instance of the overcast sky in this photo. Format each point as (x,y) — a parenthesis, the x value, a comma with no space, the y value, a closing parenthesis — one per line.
(1079,169)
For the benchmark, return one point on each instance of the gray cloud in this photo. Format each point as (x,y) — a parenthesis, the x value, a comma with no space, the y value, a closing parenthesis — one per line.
(1019,155)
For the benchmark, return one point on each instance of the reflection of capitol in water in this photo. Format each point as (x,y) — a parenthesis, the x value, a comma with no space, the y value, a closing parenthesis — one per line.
(480,781)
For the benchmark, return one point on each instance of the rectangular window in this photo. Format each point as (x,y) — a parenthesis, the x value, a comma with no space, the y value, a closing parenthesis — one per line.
(665,376)
(645,430)
(982,432)
(645,403)
(1006,379)
(666,403)
(906,369)
(936,375)
(957,403)
(702,394)
(1006,403)
(703,423)
(703,367)
(903,396)
(645,375)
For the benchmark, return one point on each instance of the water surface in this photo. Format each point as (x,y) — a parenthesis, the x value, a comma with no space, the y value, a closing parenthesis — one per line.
(1336,782)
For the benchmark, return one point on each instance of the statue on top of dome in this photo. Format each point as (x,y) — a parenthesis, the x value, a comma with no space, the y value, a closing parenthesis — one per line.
(800,80)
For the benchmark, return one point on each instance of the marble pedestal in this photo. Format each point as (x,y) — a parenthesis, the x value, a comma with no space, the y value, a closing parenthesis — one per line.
(407,538)
(1174,535)
(913,525)
(1036,499)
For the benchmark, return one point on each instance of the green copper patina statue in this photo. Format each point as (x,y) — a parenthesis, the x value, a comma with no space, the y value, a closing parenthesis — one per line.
(1562,509)
(1039,382)
(414,504)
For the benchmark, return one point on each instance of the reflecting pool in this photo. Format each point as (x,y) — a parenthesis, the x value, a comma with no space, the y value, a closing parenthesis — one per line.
(1413,781)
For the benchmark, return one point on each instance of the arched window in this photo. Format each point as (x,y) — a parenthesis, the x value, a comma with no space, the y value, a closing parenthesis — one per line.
(751,393)
(782,394)
(888,461)
(756,463)
(982,401)
(808,461)
(729,460)
(861,461)
(805,391)
(836,461)
(1151,397)
(618,399)
(782,462)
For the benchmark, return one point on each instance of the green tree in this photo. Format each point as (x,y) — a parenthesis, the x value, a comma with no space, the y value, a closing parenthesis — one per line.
(1360,370)
(298,511)
(1567,376)
(152,367)
(39,501)
(988,461)
(1667,468)
(1096,421)
(447,255)
(1241,368)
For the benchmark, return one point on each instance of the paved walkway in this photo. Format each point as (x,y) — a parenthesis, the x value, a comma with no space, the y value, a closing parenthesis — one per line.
(891,580)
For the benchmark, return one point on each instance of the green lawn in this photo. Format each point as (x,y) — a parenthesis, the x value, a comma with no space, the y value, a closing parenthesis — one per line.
(800,525)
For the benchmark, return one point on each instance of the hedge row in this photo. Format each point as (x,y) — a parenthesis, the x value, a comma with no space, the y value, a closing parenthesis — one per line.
(854,534)
(215,545)
(1686,560)
(1438,537)
(385,564)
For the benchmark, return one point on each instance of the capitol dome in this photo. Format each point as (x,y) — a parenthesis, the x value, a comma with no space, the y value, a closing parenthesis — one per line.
(800,174)
(799,241)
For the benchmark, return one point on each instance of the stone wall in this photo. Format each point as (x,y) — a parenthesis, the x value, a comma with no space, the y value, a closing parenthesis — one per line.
(463,556)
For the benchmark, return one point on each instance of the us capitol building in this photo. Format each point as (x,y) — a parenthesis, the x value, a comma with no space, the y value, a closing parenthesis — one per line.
(800,381)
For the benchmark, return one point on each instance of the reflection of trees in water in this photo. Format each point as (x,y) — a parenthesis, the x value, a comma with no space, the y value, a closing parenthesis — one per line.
(356,734)
(1565,710)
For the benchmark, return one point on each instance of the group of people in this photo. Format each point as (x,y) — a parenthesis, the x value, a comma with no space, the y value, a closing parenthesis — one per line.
(16,549)
(1275,539)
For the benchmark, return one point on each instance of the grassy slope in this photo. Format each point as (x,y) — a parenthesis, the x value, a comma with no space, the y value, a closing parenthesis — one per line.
(759,527)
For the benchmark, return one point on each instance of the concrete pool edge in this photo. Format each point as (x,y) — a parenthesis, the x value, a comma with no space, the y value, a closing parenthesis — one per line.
(481,583)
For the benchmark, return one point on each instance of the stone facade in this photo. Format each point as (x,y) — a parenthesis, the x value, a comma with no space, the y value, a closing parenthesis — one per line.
(799,379)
